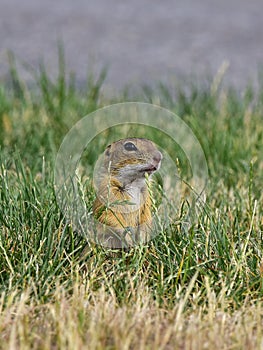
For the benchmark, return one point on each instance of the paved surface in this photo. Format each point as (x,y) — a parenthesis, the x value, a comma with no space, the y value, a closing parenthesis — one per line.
(140,40)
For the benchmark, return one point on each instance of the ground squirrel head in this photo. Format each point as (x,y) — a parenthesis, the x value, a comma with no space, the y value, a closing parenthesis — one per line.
(131,159)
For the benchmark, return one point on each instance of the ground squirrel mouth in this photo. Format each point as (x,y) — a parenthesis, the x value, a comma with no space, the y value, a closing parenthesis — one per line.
(149,169)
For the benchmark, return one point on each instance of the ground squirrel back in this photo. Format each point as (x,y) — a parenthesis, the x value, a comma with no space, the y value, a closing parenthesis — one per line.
(122,207)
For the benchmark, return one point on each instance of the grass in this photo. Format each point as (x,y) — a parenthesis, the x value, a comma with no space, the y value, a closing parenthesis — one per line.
(186,290)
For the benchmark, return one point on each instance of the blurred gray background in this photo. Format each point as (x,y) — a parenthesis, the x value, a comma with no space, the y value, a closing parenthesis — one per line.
(140,41)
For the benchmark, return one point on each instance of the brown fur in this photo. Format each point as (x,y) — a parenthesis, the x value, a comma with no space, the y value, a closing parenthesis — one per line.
(123,202)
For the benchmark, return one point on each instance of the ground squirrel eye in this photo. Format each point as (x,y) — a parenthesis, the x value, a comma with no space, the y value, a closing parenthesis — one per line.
(129,146)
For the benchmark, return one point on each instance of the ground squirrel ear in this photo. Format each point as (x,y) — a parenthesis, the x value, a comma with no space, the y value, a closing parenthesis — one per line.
(107,151)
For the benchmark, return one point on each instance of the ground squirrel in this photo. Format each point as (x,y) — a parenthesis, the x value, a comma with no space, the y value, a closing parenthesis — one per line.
(122,207)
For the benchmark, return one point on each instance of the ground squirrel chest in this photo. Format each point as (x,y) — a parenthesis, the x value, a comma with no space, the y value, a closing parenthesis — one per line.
(122,180)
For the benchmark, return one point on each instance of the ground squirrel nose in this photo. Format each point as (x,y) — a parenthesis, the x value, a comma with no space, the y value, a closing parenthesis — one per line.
(157,157)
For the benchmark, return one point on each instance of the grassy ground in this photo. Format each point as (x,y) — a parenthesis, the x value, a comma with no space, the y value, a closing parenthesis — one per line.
(196,290)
